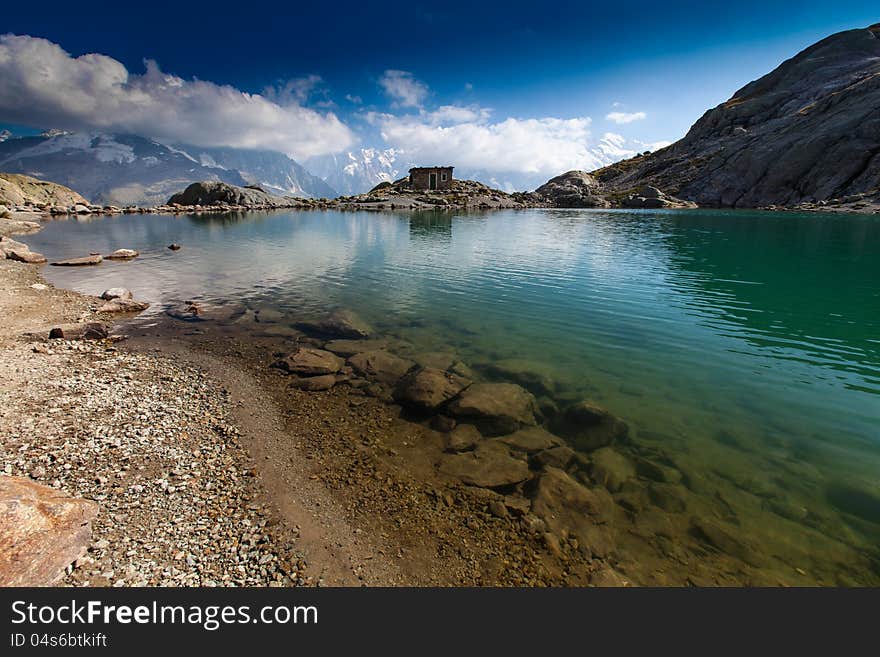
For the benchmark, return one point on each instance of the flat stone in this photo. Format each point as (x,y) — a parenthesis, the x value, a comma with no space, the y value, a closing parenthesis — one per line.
(28,256)
(495,408)
(348,348)
(462,438)
(42,531)
(490,465)
(308,361)
(428,388)
(383,366)
(79,262)
(123,306)
(531,439)
(560,456)
(123,254)
(339,324)
(314,383)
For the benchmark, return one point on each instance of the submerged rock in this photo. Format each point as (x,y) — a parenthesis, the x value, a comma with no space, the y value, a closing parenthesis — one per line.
(610,468)
(338,324)
(495,408)
(80,262)
(347,347)
(43,531)
(526,373)
(589,426)
(427,388)
(490,465)
(462,438)
(314,383)
(383,366)
(308,362)
(531,440)
(567,507)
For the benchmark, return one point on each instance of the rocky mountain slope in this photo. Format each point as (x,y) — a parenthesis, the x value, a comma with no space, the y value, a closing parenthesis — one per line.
(19,190)
(131,170)
(806,133)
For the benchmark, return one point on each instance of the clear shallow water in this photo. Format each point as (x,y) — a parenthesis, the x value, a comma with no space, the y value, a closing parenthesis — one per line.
(744,347)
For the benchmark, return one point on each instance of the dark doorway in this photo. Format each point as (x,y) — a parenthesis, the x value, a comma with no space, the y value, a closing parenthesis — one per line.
(432,181)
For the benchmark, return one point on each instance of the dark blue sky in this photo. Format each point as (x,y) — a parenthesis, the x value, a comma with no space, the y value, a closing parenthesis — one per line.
(669,60)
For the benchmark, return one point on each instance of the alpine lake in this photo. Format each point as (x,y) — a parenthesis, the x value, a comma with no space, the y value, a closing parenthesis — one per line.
(741,349)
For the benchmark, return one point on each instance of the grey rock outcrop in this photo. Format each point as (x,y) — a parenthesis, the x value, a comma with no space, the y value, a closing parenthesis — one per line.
(807,132)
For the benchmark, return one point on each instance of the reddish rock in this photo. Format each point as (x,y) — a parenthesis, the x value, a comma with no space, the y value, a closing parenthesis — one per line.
(42,531)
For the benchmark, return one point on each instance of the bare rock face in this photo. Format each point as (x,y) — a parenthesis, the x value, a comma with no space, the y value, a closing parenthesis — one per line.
(428,388)
(41,532)
(18,189)
(808,131)
(490,465)
(495,408)
(308,362)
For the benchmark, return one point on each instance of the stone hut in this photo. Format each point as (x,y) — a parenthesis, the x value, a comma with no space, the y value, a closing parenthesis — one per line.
(430,177)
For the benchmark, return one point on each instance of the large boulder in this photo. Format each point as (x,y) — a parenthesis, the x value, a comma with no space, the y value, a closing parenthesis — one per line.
(532,376)
(308,361)
(568,507)
(383,366)
(490,465)
(42,531)
(427,388)
(211,192)
(589,426)
(495,408)
(338,324)
(573,189)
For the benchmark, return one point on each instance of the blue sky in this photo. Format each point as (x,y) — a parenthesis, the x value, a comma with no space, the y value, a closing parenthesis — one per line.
(345,67)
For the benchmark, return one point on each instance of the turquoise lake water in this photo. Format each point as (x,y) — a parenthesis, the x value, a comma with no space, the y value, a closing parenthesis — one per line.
(743,345)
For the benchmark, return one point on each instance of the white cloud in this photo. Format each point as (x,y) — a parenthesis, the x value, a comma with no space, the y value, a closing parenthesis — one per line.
(467,138)
(43,86)
(403,87)
(625,117)
(653,145)
(357,100)
(296,91)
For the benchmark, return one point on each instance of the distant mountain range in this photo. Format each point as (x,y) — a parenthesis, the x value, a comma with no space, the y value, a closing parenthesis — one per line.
(132,170)
(356,172)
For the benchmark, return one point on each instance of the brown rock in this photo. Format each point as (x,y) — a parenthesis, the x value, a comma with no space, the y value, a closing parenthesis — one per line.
(490,465)
(496,408)
(339,324)
(79,262)
(531,439)
(589,426)
(462,438)
(42,531)
(314,383)
(382,366)
(23,255)
(428,388)
(123,306)
(308,361)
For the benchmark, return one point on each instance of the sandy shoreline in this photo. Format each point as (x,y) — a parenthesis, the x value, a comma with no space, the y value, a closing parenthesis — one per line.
(199,485)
